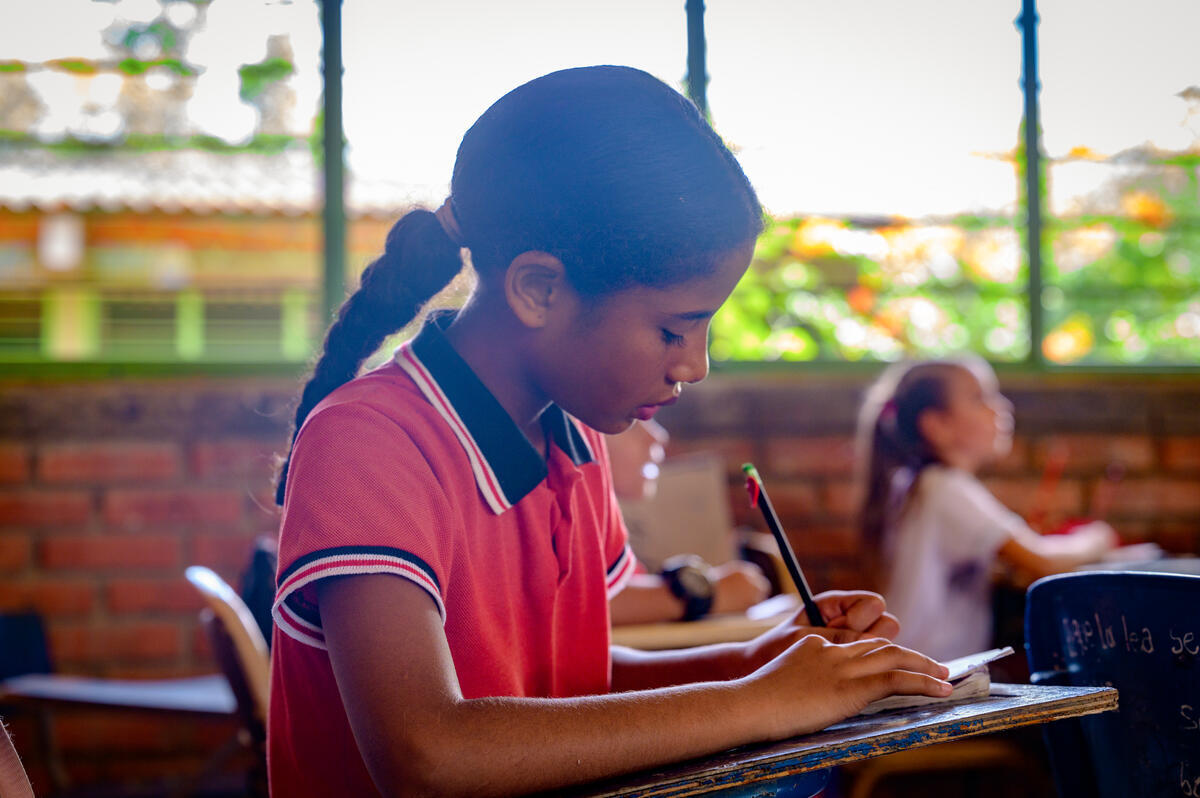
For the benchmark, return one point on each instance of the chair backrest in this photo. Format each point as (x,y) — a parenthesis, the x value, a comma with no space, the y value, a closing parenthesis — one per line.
(14,783)
(22,645)
(258,583)
(1139,633)
(238,622)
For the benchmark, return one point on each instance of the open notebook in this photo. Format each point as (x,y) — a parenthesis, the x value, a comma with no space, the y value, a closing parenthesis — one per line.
(968,674)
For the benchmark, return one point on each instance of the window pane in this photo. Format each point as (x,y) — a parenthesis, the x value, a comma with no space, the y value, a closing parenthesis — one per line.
(1121,115)
(880,137)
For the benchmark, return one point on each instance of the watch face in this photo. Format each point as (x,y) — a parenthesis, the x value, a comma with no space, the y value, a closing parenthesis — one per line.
(694,581)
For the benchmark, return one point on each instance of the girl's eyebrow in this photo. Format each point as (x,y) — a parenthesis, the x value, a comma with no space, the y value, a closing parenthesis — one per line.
(694,315)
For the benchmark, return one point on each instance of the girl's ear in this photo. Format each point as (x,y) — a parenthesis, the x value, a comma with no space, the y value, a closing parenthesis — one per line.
(931,426)
(534,283)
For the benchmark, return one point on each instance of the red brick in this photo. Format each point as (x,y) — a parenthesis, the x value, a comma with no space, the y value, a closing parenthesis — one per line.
(1157,496)
(109,462)
(133,508)
(154,594)
(841,498)
(733,451)
(14,463)
(44,507)
(112,552)
(1182,453)
(227,554)
(1091,453)
(93,643)
(243,458)
(122,733)
(16,551)
(818,541)
(796,456)
(48,596)
(1019,495)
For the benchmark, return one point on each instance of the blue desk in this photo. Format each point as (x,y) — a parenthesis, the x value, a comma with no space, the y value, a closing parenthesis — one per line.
(800,766)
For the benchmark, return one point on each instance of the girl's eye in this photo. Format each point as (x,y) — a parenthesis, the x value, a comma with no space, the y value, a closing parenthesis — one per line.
(671,339)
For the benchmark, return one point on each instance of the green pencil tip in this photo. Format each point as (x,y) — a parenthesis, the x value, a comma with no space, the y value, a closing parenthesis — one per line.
(750,470)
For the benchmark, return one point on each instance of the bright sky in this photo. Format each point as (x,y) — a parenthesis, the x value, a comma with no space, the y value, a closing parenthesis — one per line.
(855,106)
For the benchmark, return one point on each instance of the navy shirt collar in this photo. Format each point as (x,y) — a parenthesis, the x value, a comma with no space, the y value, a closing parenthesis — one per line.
(507,466)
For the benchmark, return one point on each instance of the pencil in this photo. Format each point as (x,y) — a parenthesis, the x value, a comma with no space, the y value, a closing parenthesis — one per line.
(758,495)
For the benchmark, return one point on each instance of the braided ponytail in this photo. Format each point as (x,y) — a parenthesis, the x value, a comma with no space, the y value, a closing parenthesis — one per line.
(418,260)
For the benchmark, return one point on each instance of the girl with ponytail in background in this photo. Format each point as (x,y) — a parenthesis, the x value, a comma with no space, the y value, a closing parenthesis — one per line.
(934,531)
(450,536)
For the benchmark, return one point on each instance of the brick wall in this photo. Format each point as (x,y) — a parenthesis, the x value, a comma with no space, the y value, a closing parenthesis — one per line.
(109,489)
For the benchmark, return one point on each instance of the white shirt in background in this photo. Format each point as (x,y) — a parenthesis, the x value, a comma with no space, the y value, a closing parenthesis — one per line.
(941,557)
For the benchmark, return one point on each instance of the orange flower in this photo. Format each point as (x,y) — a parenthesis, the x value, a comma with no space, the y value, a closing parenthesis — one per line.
(861,299)
(1147,208)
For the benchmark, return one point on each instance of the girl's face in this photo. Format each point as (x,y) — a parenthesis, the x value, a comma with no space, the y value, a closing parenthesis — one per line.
(976,426)
(612,362)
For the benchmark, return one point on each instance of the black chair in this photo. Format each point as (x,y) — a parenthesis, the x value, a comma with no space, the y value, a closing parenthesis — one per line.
(1139,633)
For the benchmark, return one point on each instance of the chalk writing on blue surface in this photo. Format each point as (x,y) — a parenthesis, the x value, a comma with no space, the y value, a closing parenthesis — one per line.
(1189,782)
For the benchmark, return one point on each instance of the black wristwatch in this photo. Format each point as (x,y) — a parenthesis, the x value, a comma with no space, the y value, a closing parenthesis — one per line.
(686,576)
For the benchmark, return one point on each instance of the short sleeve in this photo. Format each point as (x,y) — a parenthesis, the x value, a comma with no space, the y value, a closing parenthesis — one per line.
(620,562)
(976,522)
(361,499)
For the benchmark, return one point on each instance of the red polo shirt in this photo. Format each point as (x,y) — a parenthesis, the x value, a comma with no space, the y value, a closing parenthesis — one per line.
(415,470)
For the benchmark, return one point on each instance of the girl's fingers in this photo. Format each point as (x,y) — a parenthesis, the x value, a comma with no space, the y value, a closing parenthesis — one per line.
(899,657)
(887,626)
(904,682)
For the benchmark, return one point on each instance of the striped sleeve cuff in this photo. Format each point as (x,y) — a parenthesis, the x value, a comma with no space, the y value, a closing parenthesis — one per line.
(295,613)
(620,571)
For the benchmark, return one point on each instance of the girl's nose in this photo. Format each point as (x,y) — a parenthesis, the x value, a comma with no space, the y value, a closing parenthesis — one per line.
(692,365)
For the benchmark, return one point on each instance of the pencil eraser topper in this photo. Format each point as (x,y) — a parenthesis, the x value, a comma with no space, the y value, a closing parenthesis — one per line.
(751,482)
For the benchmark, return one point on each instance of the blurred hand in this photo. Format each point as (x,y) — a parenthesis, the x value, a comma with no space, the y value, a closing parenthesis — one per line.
(737,585)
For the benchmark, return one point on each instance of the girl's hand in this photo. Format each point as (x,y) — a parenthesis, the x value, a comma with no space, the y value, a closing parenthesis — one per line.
(850,615)
(737,585)
(814,682)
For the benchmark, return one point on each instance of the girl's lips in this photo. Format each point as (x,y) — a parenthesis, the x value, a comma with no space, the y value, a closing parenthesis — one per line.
(646,412)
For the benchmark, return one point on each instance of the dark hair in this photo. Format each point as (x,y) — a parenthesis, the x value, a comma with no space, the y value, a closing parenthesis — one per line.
(606,168)
(891,449)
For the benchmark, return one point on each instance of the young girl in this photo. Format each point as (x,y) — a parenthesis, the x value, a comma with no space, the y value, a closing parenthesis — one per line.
(925,430)
(449,533)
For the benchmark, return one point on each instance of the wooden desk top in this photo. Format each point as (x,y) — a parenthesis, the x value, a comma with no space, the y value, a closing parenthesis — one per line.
(1009,706)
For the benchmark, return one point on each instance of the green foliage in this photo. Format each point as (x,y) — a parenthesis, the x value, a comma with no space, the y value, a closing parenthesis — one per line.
(79,66)
(134,66)
(12,66)
(137,142)
(257,77)
(832,290)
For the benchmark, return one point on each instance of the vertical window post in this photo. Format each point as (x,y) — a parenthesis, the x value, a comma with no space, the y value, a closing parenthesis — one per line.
(697,77)
(1030,86)
(334,209)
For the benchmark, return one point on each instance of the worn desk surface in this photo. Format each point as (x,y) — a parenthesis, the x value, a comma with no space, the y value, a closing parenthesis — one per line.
(742,770)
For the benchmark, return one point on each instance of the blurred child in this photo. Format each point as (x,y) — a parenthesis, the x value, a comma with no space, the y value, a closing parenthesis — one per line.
(634,457)
(925,431)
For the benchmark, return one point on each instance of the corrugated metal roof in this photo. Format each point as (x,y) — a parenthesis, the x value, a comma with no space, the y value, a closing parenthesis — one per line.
(175,181)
